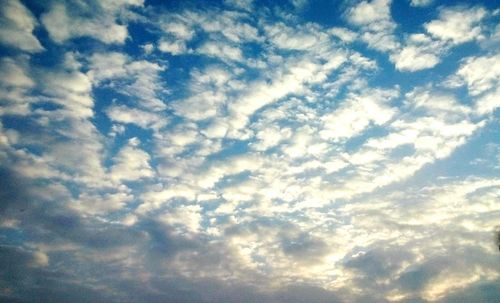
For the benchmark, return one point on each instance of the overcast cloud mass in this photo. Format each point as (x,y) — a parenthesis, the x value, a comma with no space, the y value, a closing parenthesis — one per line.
(249,151)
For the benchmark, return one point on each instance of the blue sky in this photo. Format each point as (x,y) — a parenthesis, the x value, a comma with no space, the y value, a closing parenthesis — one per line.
(249,151)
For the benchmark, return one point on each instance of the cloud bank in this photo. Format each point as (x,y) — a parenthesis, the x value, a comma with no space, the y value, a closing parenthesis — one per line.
(248,151)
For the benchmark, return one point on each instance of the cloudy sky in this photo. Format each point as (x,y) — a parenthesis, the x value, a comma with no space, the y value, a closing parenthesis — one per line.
(249,151)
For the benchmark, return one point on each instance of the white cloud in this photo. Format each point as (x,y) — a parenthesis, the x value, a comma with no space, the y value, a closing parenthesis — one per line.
(154,199)
(304,38)
(216,129)
(343,34)
(225,30)
(115,5)
(293,80)
(148,48)
(271,136)
(175,47)
(124,114)
(300,143)
(457,25)
(492,37)
(17,25)
(183,136)
(131,163)
(139,79)
(108,65)
(221,50)
(180,28)
(208,93)
(265,171)
(421,3)
(200,106)
(435,103)
(299,4)
(65,22)
(435,125)
(367,12)
(15,74)
(480,73)
(70,89)
(68,143)
(488,103)
(100,204)
(15,86)
(357,113)
(188,216)
(40,259)
(231,25)
(243,4)
(411,58)
(380,40)
(419,52)
(374,18)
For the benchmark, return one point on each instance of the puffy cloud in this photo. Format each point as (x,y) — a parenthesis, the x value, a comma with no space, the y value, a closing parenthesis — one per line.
(367,12)
(421,3)
(457,25)
(67,21)
(420,52)
(209,90)
(123,114)
(221,50)
(357,113)
(67,142)
(99,204)
(131,163)
(374,18)
(488,102)
(70,89)
(292,80)
(139,79)
(343,34)
(243,4)
(480,73)
(231,25)
(286,37)
(108,66)
(16,86)
(271,136)
(187,216)
(411,59)
(15,74)
(175,47)
(454,26)
(16,27)
(225,29)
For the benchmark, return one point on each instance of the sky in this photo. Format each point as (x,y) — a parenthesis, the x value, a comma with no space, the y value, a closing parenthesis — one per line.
(242,151)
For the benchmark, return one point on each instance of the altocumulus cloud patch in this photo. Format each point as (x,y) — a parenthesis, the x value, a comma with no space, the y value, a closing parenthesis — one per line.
(249,151)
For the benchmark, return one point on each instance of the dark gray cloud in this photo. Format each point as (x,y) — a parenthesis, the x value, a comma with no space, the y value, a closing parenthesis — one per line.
(23,281)
(304,247)
(482,292)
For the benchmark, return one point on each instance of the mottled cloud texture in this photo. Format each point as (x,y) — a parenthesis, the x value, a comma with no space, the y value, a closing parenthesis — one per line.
(249,151)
